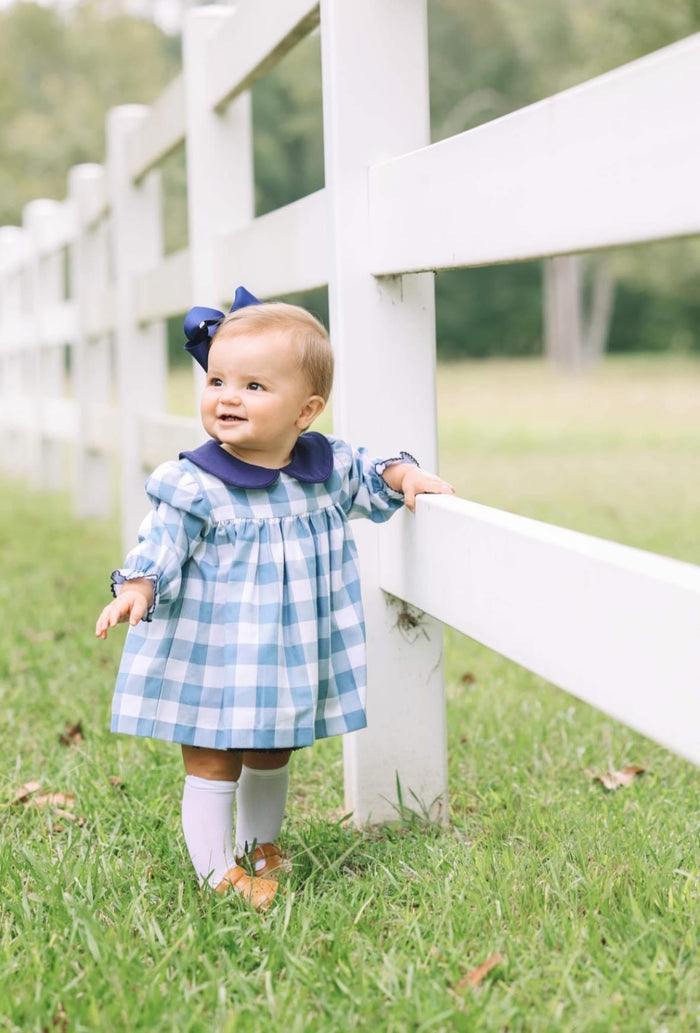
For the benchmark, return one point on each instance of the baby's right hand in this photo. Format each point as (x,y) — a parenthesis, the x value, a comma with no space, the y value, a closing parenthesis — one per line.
(131,604)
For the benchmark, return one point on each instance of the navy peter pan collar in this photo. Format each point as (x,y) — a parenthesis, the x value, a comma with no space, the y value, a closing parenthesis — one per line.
(311,463)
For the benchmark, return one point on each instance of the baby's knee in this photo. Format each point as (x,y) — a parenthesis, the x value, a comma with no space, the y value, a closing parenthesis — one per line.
(266,760)
(217,765)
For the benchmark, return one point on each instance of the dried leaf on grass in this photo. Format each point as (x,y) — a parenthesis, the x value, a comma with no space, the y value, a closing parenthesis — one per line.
(116,782)
(615,779)
(26,791)
(60,1021)
(73,734)
(476,975)
(468,678)
(61,804)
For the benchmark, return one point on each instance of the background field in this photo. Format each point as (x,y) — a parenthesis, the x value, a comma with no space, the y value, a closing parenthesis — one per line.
(590,897)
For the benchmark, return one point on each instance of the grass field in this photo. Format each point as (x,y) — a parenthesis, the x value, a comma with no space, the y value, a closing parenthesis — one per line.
(591,897)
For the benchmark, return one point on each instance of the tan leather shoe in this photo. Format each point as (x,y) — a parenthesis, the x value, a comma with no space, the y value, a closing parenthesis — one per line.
(259,893)
(274,862)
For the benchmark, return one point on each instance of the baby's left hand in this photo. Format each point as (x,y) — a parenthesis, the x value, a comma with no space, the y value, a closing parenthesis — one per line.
(412,481)
(420,482)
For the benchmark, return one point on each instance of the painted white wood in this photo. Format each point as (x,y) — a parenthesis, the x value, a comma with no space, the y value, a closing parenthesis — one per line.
(13,255)
(93,494)
(43,362)
(613,625)
(221,193)
(57,323)
(100,430)
(278,253)
(160,133)
(252,42)
(164,436)
(613,161)
(375,106)
(137,245)
(100,317)
(59,423)
(165,290)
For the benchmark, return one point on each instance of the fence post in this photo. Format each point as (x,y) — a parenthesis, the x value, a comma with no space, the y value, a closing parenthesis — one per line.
(220,188)
(13,246)
(44,361)
(375,88)
(89,274)
(137,246)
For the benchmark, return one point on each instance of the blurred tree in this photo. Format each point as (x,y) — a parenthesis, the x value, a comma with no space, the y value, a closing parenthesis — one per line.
(288,128)
(489,57)
(59,73)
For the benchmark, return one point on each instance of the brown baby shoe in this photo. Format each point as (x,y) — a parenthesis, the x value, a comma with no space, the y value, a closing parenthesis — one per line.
(258,892)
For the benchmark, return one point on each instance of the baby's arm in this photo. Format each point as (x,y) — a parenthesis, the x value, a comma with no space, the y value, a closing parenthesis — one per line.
(410,480)
(134,600)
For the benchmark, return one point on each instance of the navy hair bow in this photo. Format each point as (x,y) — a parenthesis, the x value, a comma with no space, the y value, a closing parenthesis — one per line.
(201,324)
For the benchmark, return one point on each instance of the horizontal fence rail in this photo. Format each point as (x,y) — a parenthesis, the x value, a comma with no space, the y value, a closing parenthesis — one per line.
(615,626)
(614,161)
(611,162)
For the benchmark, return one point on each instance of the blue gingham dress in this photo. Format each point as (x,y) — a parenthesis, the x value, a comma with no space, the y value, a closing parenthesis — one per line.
(256,638)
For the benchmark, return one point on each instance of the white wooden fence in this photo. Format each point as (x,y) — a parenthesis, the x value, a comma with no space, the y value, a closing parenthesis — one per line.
(614,161)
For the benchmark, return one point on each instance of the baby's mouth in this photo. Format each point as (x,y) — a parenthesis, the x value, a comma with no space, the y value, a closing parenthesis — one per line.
(229,418)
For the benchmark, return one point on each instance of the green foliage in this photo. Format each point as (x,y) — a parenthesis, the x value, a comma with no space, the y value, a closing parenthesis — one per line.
(491,311)
(288,128)
(59,74)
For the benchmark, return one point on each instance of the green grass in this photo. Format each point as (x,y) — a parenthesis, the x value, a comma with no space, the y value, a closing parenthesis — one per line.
(592,897)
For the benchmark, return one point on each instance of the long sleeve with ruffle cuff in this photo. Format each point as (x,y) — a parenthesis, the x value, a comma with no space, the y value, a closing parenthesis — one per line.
(167,537)
(368,494)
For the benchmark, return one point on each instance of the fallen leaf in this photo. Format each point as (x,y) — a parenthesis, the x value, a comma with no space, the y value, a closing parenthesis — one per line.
(60,1021)
(116,782)
(474,977)
(62,805)
(25,791)
(615,779)
(73,734)
(468,678)
(52,800)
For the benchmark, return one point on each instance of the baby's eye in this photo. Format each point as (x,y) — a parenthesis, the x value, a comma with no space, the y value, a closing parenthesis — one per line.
(255,386)
(216,382)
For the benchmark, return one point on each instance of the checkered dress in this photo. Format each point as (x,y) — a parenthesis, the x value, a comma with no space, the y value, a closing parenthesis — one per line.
(256,637)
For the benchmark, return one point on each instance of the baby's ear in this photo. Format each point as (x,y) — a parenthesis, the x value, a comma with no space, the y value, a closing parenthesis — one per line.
(312,408)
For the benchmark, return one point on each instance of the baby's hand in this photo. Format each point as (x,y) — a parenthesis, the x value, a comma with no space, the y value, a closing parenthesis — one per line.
(131,604)
(420,482)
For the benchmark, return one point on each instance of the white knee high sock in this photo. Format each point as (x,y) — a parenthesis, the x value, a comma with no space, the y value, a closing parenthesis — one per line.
(261,800)
(207,822)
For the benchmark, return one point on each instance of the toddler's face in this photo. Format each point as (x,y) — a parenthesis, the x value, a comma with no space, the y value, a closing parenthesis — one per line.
(257,401)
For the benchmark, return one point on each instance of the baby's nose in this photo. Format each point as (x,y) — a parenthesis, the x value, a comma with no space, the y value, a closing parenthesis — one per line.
(231,394)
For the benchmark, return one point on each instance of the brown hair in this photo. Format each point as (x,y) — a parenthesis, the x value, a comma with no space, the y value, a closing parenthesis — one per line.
(306,333)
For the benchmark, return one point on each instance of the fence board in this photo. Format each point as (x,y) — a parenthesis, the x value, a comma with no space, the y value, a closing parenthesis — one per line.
(159,432)
(613,625)
(614,161)
(161,132)
(165,290)
(286,250)
(255,39)
(58,324)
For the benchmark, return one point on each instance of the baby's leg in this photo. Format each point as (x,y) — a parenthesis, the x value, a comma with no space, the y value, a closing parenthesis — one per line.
(262,796)
(207,810)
